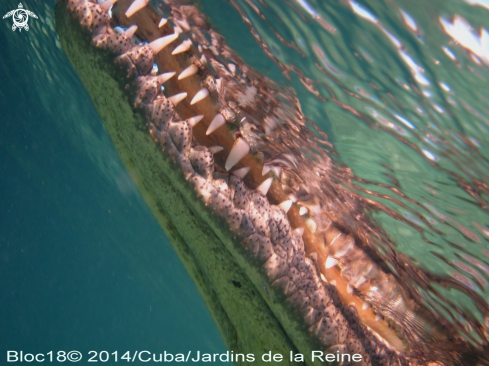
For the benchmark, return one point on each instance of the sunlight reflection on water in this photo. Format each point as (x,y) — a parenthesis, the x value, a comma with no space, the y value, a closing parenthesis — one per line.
(400,87)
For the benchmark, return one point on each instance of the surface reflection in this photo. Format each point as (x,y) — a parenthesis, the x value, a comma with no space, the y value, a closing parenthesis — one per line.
(401,91)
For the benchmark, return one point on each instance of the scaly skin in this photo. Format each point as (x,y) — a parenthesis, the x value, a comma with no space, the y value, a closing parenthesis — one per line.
(267,286)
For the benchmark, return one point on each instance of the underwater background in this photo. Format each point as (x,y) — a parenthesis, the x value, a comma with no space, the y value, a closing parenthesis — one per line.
(401,89)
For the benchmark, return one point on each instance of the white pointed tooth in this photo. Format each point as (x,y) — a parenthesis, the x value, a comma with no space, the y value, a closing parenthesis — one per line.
(130,31)
(349,289)
(312,207)
(330,262)
(276,170)
(215,149)
(162,22)
(217,122)
(183,47)
(265,186)
(323,278)
(165,77)
(182,24)
(366,305)
(311,225)
(292,197)
(106,5)
(333,283)
(378,317)
(266,169)
(286,205)
(177,29)
(177,98)
(194,120)
(239,151)
(135,7)
(242,172)
(201,94)
(158,44)
(189,71)
(303,210)
(300,231)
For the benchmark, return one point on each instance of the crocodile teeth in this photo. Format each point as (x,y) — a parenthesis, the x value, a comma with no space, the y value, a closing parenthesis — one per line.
(177,98)
(194,120)
(215,149)
(177,29)
(201,94)
(366,305)
(158,44)
(189,71)
(286,205)
(349,289)
(217,122)
(130,31)
(276,170)
(300,231)
(166,76)
(106,5)
(242,172)
(162,22)
(330,262)
(183,47)
(238,152)
(311,225)
(303,210)
(265,186)
(135,7)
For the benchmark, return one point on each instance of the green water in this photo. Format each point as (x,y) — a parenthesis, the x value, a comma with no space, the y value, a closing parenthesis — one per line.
(406,106)
(85,266)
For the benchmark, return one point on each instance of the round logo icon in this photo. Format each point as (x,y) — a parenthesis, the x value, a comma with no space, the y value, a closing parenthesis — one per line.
(20,17)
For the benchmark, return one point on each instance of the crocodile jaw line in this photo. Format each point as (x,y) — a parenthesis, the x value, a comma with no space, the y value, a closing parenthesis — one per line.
(269,275)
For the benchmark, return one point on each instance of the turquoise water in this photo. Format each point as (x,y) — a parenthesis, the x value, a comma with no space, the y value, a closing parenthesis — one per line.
(83,263)
(85,266)
(401,89)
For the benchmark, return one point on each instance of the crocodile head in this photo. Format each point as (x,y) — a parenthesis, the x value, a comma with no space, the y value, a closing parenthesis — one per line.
(241,182)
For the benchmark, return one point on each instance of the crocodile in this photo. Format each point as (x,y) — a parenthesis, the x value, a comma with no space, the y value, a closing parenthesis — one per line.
(241,183)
